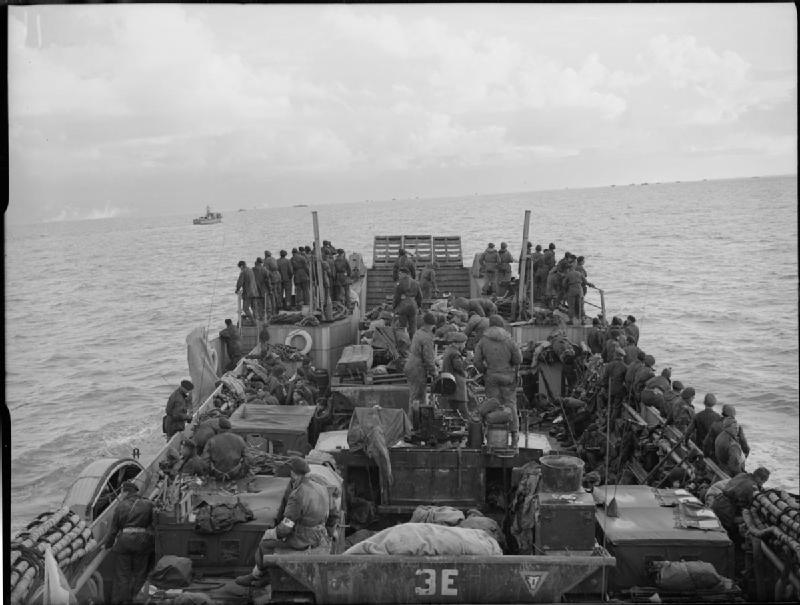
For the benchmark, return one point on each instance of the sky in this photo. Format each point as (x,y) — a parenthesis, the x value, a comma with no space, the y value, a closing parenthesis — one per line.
(137,110)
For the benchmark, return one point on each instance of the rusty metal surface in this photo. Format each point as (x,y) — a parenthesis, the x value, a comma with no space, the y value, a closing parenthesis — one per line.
(442,579)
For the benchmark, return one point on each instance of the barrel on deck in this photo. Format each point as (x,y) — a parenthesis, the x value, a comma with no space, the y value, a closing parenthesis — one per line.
(561,473)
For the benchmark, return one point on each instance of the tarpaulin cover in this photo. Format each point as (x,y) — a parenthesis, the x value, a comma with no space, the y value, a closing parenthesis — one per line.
(288,423)
(263,497)
(427,539)
(371,429)
(441,515)
(202,367)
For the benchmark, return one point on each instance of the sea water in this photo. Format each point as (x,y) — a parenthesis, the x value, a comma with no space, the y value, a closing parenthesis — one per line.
(97,311)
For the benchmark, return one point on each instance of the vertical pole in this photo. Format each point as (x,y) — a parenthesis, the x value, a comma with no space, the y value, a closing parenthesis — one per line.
(522,255)
(319,303)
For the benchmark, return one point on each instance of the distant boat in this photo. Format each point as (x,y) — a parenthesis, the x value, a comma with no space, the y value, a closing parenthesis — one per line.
(210,218)
(242,210)
(300,206)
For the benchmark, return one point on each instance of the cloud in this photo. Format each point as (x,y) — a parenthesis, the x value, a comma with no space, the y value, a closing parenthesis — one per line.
(719,84)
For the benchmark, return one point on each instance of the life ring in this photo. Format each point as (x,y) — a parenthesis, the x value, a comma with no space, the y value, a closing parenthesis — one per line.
(302,334)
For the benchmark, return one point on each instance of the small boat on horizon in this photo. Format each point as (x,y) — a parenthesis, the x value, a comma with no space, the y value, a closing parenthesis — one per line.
(209,218)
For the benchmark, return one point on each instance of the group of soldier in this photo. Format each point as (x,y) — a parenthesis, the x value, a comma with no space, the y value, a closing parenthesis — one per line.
(268,286)
(553,282)
(629,376)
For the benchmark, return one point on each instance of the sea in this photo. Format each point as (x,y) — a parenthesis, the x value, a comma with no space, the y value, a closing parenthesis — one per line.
(97,311)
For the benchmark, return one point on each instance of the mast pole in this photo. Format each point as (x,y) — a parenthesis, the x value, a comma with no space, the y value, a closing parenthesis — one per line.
(319,292)
(523,261)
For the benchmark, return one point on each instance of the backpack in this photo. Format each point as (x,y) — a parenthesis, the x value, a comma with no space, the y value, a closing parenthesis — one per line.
(220,518)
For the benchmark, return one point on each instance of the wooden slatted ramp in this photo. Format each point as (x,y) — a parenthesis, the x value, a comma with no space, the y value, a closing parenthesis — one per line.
(385,249)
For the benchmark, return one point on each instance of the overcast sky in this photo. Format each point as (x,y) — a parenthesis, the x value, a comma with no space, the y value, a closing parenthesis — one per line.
(152,109)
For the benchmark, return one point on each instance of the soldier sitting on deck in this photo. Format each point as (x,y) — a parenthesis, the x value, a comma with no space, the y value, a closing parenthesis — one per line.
(224,454)
(308,520)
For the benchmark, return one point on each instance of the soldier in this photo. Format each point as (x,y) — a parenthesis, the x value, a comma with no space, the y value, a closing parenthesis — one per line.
(271,266)
(427,281)
(728,411)
(249,289)
(178,409)
(489,260)
(190,463)
(631,328)
(341,288)
(308,520)
(614,378)
(540,270)
(420,364)
(131,540)
(233,344)
(498,357)
(263,284)
(286,271)
(300,272)
(403,264)
(503,269)
(703,420)
(736,496)
(224,453)
(205,431)
(574,282)
(407,300)
(453,362)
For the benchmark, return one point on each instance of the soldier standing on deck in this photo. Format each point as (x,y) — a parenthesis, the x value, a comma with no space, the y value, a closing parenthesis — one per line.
(498,357)
(286,271)
(263,283)
(403,264)
(453,362)
(233,344)
(539,273)
(271,265)
(420,364)
(249,289)
(503,269)
(130,539)
(407,300)
(178,409)
(489,260)
(300,271)
(308,519)
(341,288)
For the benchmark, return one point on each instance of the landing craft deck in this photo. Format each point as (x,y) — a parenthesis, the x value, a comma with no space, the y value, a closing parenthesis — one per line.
(433,465)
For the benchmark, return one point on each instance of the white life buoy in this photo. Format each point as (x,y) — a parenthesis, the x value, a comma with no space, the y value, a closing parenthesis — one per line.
(302,334)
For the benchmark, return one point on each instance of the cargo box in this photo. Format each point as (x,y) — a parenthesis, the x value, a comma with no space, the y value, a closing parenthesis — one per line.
(645,530)
(234,548)
(355,360)
(564,521)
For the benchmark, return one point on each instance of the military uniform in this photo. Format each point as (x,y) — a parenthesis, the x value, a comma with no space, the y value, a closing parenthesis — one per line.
(341,280)
(131,540)
(286,271)
(403,264)
(233,345)
(407,300)
(247,284)
(177,413)
(419,365)
(504,270)
(308,519)
(498,357)
(454,363)
(490,260)
(301,284)
(224,454)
